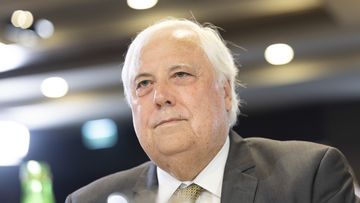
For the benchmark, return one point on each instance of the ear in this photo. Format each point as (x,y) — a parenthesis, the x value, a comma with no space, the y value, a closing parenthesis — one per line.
(227,95)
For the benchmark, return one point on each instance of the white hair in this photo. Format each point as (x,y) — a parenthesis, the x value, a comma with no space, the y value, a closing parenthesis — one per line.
(210,41)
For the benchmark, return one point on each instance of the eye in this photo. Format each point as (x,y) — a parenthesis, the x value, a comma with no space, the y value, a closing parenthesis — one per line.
(143,84)
(181,74)
(183,77)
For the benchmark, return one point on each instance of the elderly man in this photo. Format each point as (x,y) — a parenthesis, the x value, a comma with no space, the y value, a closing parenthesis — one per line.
(179,79)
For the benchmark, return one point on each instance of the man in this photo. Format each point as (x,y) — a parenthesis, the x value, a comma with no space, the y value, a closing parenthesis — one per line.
(179,79)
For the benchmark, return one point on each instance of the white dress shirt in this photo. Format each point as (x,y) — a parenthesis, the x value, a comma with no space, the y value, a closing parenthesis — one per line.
(210,178)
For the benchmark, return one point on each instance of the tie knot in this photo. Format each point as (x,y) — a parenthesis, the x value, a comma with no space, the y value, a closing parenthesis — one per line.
(187,194)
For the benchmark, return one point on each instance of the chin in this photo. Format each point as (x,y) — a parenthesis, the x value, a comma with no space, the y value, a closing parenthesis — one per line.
(173,148)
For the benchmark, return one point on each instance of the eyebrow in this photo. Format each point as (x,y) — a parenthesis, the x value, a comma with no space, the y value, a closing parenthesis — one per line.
(177,66)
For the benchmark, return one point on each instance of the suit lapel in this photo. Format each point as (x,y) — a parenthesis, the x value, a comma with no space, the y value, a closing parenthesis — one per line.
(239,182)
(146,187)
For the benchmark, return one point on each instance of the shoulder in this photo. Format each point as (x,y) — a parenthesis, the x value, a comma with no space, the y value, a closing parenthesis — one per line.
(100,189)
(294,155)
(126,178)
(276,147)
(302,170)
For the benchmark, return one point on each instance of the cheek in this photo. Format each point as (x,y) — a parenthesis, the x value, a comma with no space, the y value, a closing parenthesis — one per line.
(208,96)
(140,121)
(205,105)
(140,116)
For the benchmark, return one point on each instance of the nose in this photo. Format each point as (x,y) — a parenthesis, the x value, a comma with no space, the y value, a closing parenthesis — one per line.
(163,96)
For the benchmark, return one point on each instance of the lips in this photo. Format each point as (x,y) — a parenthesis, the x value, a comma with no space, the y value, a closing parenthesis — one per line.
(167,121)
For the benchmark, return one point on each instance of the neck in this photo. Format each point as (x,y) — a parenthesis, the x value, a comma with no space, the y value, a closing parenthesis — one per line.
(185,167)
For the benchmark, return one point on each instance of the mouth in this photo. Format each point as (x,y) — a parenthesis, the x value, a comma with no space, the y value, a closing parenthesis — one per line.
(168,121)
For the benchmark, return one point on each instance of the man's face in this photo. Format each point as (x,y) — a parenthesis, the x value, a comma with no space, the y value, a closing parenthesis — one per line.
(178,106)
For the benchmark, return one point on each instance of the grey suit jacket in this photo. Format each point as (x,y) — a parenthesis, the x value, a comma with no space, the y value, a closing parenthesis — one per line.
(257,170)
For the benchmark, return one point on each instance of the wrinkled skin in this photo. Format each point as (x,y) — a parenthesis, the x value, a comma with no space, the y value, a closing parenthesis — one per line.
(179,108)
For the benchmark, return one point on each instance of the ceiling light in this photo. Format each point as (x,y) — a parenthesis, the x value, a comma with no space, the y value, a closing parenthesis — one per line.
(279,54)
(54,87)
(141,4)
(15,17)
(12,56)
(22,19)
(44,28)
(14,142)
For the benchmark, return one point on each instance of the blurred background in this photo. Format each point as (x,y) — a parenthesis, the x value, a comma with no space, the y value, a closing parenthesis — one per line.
(61,98)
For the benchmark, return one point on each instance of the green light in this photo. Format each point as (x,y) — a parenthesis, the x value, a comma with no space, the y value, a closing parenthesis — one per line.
(36,183)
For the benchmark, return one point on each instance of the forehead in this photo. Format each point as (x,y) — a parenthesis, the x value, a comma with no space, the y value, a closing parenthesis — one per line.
(171,45)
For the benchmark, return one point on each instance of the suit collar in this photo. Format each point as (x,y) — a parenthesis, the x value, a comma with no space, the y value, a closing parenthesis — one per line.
(239,183)
(145,189)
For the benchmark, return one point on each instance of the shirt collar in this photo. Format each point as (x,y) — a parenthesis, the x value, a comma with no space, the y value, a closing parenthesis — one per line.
(210,178)
(167,185)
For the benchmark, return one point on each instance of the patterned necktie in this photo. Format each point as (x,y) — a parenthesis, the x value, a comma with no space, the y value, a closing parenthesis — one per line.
(188,194)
